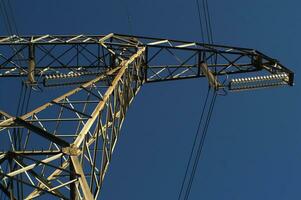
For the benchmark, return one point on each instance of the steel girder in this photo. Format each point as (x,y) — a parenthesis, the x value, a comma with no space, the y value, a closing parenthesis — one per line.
(63,148)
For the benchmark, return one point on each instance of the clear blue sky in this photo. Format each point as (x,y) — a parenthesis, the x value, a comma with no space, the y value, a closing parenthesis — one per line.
(253,148)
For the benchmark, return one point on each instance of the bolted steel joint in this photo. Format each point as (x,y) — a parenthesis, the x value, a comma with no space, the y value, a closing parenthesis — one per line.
(72,150)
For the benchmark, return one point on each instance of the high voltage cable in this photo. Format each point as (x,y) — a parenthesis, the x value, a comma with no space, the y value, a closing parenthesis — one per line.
(10,22)
(200,21)
(13,17)
(201,145)
(204,131)
(6,18)
(194,143)
(23,104)
(197,150)
(206,22)
(209,21)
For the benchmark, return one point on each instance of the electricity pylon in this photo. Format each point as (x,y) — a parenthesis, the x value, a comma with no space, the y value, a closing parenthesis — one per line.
(63,148)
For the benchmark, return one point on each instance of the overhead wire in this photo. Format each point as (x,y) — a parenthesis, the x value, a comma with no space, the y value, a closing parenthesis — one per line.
(209,21)
(13,17)
(198,144)
(201,145)
(12,29)
(199,141)
(200,21)
(23,103)
(24,97)
(194,144)
(7,22)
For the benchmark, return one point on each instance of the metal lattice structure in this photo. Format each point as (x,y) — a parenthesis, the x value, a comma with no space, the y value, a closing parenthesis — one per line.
(78,131)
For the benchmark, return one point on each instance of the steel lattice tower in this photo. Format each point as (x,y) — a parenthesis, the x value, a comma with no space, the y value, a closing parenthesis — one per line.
(77,131)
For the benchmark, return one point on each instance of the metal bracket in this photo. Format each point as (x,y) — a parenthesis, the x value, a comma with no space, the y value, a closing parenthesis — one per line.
(211,78)
(72,150)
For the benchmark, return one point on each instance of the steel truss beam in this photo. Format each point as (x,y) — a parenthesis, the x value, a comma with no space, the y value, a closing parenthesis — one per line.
(59,60)
(78,130)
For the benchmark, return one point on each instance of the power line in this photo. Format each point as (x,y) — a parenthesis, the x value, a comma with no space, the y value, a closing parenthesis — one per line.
(209,21)
(9,19)
(201,145)
(10,23)
(201,142)
(11,28)
(197,146)
(3,16)
(6,20)
(13,17)
(200,21)
(194,143)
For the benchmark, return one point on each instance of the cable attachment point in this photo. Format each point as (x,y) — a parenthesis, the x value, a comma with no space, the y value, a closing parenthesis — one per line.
(213,82)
